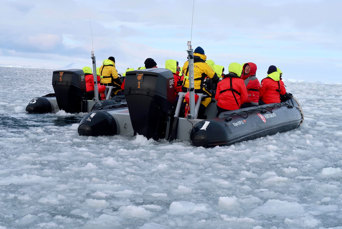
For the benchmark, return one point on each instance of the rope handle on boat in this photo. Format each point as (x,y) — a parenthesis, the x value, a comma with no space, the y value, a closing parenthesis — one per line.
(242,114)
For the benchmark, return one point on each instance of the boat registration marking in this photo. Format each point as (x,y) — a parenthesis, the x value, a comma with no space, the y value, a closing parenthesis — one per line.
(239,123)
(270,115)
(266,116)
(262,117)
(205,125)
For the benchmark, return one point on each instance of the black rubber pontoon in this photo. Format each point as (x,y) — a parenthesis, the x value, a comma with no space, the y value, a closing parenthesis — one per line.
(44,104)
(246,124)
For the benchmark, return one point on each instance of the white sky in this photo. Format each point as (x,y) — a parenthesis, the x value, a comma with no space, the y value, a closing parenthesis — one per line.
(302,37)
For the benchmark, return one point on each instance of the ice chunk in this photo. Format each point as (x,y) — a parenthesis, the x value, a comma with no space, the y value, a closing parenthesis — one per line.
(331,172)
(49,200)
(159,195)
(104,221)
(27,219)
(302,222)
(230,203)
(152,226)
(124,193)
(279,208)
(134,212)
(24,179)
(141,140)
(99,194)
(152,207)
(97,203)
(186,208)
(90,166)
(183,189)
(108,161)
(242,220)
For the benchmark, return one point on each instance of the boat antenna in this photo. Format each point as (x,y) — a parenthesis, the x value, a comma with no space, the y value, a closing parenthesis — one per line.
(191,70)
(192,18)
(96,92)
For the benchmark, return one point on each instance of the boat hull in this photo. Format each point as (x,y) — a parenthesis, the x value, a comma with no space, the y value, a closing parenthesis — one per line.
(246,124)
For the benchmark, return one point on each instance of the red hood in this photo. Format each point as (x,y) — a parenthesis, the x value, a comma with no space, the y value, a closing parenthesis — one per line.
(252,72)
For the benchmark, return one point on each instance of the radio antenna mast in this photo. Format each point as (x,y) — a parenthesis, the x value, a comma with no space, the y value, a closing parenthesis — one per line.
(191,70)
(192,18)
(96,92)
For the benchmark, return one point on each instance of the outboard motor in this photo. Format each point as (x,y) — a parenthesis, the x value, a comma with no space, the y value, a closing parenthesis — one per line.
(151,97)
(70,88)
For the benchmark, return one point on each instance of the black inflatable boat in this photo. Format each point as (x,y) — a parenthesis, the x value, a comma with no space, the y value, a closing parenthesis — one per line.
(153,111)
(70,95)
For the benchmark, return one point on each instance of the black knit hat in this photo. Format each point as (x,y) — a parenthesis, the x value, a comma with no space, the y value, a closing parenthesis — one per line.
(150,63)
(111,58)
(271,69)
(199,50)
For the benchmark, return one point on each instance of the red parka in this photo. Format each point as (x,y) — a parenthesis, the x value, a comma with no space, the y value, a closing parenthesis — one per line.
(172,65)
(89,79)
(178,82)
(231,92)
(123,84)
(271,88)
(252,83)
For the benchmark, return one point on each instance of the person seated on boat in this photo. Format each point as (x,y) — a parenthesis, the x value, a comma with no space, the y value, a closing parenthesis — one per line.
(272,87)
(201,71)
(172,65)
(103,87)
(89,80)
(209,82)
(231,92)
(252,84)
(150,63)
(219,69)
(109,75)
(124,78)
(211,63)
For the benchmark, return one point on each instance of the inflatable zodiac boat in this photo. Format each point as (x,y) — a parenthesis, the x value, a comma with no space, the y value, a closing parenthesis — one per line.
(70,95)
(154,112)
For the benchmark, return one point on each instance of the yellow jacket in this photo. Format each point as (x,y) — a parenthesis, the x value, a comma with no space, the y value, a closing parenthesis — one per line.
(108,72)
(201,71)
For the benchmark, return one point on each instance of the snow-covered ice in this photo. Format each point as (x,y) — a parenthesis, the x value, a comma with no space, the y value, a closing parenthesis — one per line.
(52,178)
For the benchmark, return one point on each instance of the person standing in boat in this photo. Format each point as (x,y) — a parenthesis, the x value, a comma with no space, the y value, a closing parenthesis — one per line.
(150,63)
(219,69)
(109,75)
(252,84)
(272,87)
(231,92)
(201,71)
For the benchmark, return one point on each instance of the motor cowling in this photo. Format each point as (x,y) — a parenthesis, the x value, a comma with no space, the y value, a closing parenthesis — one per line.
(70,88)
(151,97)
